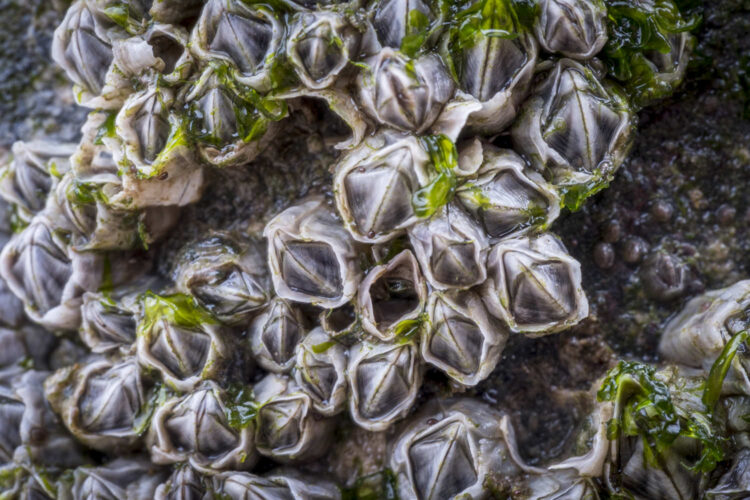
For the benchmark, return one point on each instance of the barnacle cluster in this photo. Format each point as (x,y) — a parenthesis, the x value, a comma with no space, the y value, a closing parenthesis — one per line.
(471,124)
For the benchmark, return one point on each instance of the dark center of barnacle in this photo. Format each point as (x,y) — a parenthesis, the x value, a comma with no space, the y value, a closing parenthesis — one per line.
(184,352)
(319,52)
(379,197)
(311,268)
(393,297)
(152,126)
(167,49)
(244,40)
(457,342)
(453,262)
(490,66)
(543,293)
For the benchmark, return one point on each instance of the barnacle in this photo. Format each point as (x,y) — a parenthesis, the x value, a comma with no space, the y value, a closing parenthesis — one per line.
(293,231)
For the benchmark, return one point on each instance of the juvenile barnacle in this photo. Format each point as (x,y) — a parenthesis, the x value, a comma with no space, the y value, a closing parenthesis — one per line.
(99,402)
(384,381)
(699,333)
(312,258)
(47,275)
(229,125)
(507,199)
(119,478)
(573,28)
(246,36)
(461,338)
(287,427)
(375,183)
(33,172)
(274,335)
(454,449)
(403,93)
(320,371)
(194,428)
(575,129)
(320,46)
(391,293)
(226,275)
(492,57)
(534,285)
(181,341)
(451,248)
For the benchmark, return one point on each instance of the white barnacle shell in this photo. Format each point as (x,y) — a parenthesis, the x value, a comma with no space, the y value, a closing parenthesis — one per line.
(320,371)
(286,484)
(227,276)
(275,334)
(392,292)
(48,276)
(452,249)
(162,50)
(185,483)
(384,381)
(312,258)
(194,428)
(129,478)
(493,70)
(573,127)
(228,128)
(699,333)
(534,285)
(403,93)
(33,173)
(320,46)
(374,185)
(183,355)
(461,338)
(573,28)
(287,427)
(99,402)
(393,19)
(506,198)
(143,127)
(82,46)
(244,36)
(454,449)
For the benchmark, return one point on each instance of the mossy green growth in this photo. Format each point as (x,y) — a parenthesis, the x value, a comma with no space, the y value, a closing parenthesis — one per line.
(377,486)
(647,411)
(178,309)
(407,329)
(120,14)
(418,29)
(573,196)
(636,30)
(440,190)
(240,406)
(106,129)
(720,368)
